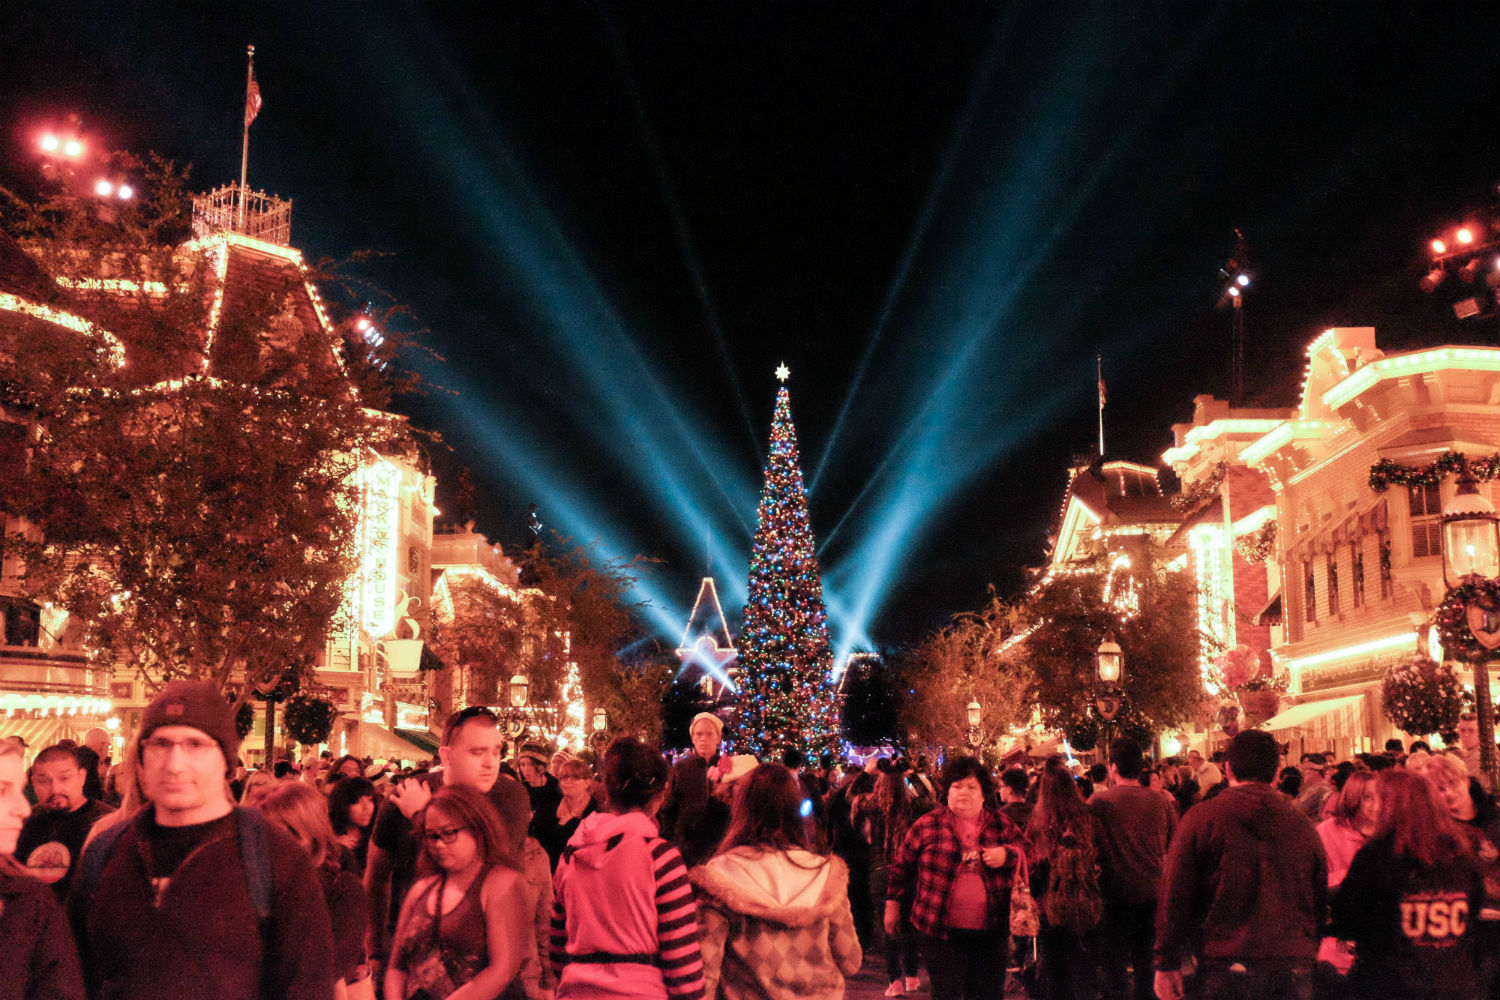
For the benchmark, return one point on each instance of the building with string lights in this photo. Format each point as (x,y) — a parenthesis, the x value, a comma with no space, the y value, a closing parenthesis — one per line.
(1356,562)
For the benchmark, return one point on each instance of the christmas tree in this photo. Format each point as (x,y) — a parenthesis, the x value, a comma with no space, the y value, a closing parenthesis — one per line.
(784,655)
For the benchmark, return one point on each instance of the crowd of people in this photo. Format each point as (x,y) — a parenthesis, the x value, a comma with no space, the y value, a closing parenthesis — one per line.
(724,876)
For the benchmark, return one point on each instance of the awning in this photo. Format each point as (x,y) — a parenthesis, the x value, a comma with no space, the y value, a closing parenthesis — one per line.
(1300,715)
(378,741)
(421,739)
(1271,613)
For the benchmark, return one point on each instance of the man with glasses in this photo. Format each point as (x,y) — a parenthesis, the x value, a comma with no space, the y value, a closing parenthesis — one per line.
(193,897)
(470,754)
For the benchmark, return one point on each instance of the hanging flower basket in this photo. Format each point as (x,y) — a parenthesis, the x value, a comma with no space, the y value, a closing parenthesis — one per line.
(1259,705)
(309,718)
(1422,696)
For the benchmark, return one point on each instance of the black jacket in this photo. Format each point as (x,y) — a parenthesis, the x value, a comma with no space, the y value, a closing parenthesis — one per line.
(1246,878)
(38,960)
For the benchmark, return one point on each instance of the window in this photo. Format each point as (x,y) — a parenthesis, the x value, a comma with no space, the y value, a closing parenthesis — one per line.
(1387,582)
(20,622)
(1357,574)
(1333,583)
(1309,593)
(1425,506)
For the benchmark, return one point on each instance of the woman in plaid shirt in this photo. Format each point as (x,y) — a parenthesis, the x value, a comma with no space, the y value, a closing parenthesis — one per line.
(954,869)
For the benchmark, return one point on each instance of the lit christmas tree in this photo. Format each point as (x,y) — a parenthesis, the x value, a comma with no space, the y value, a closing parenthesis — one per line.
(784,655)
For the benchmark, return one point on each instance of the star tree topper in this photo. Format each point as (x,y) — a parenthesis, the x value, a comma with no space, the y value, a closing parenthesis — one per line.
(782,372)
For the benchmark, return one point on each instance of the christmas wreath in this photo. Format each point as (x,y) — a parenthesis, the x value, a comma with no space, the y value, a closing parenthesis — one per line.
(309,718)
(1452,617)
(1202,490)
(1422,696)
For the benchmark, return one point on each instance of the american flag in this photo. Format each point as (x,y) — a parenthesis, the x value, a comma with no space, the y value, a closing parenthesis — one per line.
(252,100)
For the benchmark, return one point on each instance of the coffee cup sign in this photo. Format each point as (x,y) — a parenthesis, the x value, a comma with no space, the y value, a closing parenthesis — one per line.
(403,656)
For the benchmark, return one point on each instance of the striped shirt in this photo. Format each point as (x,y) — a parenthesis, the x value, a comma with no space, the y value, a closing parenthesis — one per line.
(623,914)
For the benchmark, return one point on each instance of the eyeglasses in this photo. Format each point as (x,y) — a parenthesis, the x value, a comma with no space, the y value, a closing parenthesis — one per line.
(444,837)
(193,745)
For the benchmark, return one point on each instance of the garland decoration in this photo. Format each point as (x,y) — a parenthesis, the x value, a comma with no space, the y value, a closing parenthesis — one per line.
(1387,473)
(1203,489)
(309,718)
(1255,546)
(1422,696)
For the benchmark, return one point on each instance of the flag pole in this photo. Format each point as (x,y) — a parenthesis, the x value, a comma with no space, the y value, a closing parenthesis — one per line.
(245,144)
(1099,362)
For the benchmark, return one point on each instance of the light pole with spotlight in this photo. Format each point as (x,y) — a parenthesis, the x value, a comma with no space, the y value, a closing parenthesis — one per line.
(1111,671)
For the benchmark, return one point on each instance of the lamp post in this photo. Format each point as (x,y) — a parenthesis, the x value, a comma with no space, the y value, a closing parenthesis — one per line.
(516,714)
(971,736)
(1111,671)
(1471,555)
(600,735)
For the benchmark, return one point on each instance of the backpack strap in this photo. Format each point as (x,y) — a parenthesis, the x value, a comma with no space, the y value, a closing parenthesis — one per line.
(95,859)
(255,857)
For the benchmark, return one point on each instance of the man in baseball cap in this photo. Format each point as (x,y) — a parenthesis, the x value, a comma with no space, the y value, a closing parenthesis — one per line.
(194,897)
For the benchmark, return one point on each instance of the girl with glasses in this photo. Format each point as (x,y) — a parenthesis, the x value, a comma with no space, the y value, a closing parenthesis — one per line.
(463,929)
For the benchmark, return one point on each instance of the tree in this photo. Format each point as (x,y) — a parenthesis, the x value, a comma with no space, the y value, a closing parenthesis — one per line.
(195,506)
(1063,620)
(958,664)
(486,637)
(785,659)
(683,699)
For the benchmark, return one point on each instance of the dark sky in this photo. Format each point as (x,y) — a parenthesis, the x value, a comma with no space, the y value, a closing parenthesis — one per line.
(614,220)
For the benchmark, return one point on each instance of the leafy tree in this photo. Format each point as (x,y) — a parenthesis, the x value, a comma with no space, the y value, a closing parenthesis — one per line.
(683,699)
(194,506)
(958,664)
(486,638)
(1064,619)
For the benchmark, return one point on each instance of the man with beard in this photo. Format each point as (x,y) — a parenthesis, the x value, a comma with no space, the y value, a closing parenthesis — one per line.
(52,839)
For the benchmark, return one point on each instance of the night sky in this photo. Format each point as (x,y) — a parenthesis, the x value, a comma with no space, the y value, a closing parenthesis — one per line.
(612,222)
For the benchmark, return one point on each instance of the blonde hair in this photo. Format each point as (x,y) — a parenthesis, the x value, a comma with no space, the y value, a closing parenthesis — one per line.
(126,776)
(254,780)
(1446,767)
(303,810)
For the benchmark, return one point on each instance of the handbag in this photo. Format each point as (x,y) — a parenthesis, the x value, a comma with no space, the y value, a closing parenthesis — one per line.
(1025,916)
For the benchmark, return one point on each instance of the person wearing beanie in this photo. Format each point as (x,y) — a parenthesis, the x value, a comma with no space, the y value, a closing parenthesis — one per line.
(173,908)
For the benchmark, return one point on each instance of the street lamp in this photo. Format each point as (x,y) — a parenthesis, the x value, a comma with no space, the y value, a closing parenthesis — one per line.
(600,735)
(1111,671)
(973,710)
(516,714)
(1471,555)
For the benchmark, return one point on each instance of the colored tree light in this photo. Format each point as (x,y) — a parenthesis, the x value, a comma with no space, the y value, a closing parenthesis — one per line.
(785,657)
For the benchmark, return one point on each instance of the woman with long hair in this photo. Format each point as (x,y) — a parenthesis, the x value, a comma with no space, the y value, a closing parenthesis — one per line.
(39,958)
(1063,838)
(1411,899)
(775,915)
(888,814)
(1356,813)
(301,811)
(623,921)
(1475,812)
(464,926)
(952,874)
(351,811)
